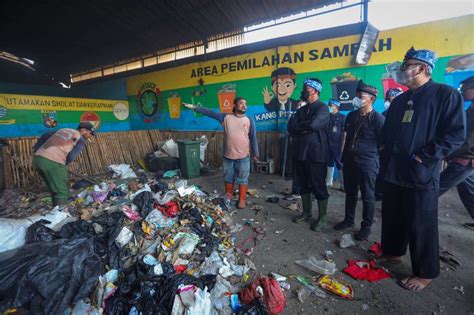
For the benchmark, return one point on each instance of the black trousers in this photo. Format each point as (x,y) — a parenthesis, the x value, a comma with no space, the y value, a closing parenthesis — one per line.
(363,177)
(410,217)
(312,179)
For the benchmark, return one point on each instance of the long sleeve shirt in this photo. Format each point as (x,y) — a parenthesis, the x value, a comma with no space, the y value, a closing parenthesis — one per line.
(62,146)
(240,135)
(309,128)
(363,138)
(428,122)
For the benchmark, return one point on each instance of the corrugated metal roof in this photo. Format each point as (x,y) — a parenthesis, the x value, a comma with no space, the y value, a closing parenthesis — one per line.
(66,37)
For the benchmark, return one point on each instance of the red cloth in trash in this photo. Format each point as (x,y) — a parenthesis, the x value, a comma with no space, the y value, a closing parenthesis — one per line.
(369,273)
(376,249)
(180,268)
(169,209)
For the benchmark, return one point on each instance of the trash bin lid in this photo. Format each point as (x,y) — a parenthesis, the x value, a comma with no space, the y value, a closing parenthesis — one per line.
(187,141)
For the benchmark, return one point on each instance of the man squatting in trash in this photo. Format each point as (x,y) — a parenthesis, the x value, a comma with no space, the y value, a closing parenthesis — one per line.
(424,125)
(53,151)
(309,128)
(240,139)
(360,158)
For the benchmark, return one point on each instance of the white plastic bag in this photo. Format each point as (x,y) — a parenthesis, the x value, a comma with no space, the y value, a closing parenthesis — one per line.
(203,148)
(320,266)
(202,303)
(124,237)
(171,148)
(13,231)
(122,170)
(167,197)
(158,219)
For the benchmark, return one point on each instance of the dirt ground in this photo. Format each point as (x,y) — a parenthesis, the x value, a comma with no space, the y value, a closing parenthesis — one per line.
(278,251)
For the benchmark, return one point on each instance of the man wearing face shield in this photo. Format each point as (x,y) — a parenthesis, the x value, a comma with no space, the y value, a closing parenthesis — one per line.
(336,140)
(460,170)
(363,129)
(389,96)
(309,128)
(240,139)
(423,126)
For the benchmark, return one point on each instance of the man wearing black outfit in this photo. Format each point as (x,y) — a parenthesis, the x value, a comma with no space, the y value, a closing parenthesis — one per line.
(360,158)
(309,128)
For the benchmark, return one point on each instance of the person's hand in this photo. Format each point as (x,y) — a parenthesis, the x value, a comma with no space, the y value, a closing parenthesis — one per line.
(190,106)
(417,158)
(266,96)
(255,158)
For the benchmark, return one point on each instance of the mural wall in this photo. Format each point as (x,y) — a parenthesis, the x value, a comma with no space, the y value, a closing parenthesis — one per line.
(270,80)
(32,110)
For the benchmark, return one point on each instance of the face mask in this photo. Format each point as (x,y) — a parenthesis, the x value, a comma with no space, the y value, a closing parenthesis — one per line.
(304,95)
(357,102)
(386,105)
(331,110)
(405,77)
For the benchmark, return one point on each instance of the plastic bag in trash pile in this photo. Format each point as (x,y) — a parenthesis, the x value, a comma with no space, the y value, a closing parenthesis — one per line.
(48,277)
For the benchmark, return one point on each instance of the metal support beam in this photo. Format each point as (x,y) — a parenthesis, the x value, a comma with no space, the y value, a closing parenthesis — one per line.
(365,7)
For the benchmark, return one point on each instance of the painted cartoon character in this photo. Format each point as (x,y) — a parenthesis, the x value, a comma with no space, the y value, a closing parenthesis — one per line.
(283,85)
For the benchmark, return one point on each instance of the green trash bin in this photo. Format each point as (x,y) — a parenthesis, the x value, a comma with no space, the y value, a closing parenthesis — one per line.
(189,158)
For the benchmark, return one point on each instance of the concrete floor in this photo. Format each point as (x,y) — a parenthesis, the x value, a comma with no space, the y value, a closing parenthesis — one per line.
(278,251)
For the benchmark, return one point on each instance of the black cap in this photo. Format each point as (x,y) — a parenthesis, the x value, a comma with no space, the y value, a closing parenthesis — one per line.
(86,125)
(362,87)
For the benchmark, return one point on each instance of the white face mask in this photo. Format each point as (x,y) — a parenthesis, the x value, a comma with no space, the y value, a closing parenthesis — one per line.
(386,105)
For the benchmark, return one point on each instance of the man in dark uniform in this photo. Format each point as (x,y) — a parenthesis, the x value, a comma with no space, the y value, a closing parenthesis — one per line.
(336,140)
(423,126)
(363,129)
(460,170)
(309,127)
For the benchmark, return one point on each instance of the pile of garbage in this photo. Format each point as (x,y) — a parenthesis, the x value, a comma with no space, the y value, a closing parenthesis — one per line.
(133,248)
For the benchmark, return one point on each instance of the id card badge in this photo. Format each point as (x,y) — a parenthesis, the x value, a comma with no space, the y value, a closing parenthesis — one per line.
(407,117)
(334,129)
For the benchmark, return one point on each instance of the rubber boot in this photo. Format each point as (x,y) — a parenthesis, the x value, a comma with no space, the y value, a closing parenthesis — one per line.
(229,190)
(242,195)
(320,224)
(307,209)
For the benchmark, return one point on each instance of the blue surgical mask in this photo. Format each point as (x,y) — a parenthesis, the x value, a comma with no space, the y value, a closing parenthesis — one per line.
(356,102)
(386,105)
(331,110)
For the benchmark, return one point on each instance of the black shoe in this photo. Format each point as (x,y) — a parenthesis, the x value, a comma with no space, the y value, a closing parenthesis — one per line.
(343,225)
(362,234)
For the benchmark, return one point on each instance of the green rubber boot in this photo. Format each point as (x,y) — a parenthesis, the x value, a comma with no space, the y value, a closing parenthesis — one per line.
(307,209)
(320,224)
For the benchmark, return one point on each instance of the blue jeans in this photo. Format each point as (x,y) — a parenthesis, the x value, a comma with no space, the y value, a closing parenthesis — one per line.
(236,171)
(463,178)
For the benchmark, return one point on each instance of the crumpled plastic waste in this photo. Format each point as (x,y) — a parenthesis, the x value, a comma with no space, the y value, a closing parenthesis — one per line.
(365,270)
(346,241)
(320,266)
(337,287)
(38,232)
(144,202)
(123,171)
(130,213)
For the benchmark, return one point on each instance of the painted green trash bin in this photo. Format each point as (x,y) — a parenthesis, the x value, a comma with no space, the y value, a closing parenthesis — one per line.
(189,161)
